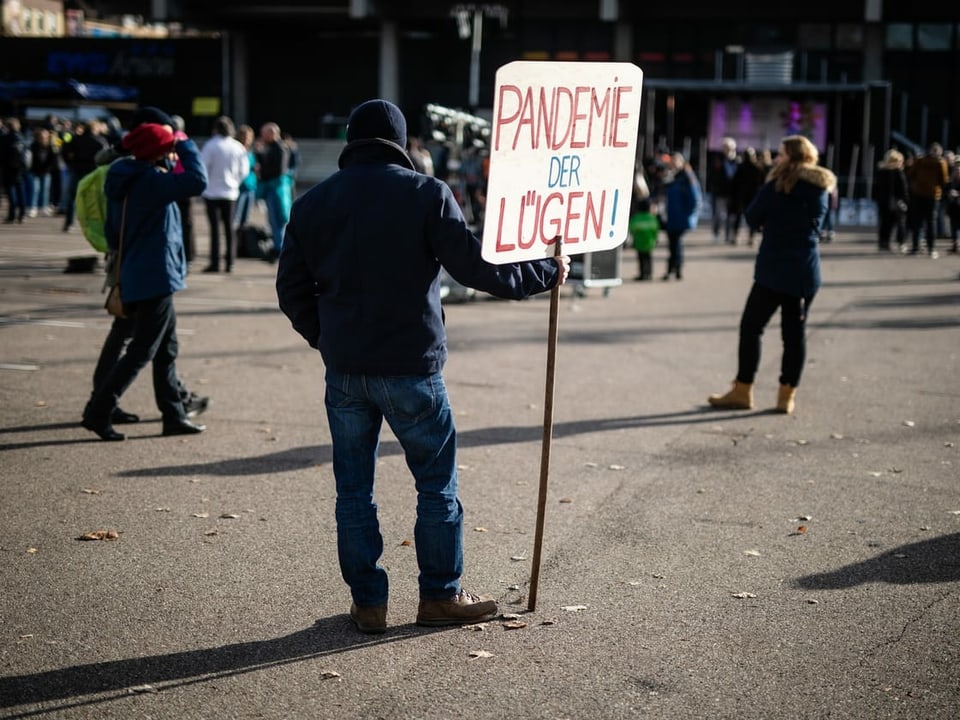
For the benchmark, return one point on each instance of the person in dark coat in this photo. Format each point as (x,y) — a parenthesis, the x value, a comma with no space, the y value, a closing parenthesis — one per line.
(789,209)
(143,215)
(682,203)
(747,180)
(359,278)
(14,163)
(891,193)
(121,329)
(80,156)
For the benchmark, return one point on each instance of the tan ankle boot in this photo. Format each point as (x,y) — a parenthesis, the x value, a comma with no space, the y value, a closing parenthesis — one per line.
(785,399)
(740,397)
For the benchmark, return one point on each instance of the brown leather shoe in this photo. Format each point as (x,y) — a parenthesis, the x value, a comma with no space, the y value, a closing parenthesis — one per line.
(369,620)
(462,609)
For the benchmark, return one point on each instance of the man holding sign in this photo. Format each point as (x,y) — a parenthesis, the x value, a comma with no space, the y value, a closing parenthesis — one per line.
(359,279)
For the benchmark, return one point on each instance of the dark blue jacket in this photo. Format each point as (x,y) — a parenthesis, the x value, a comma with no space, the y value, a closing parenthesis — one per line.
(359,273)
(682,200)
(789,259)
(153,261)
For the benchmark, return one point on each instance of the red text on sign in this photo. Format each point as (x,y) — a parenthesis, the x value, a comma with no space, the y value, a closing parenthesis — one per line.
(580,117)
(576,217)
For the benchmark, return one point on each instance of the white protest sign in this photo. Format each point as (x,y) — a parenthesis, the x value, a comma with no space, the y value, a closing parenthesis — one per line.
(562,153)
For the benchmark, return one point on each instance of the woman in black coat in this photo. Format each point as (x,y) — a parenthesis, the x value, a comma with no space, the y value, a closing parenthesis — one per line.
(891,192)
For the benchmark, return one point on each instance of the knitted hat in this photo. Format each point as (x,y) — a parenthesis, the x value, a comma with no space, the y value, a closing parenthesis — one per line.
(377,119)
(150,114)
(148,141)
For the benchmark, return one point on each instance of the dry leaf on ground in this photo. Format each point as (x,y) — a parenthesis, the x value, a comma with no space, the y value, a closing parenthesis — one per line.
(100,535)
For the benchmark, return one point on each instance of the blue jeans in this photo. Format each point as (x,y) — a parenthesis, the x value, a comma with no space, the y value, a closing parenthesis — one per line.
(244,204)
(276,218)
(417,410)
(40,195)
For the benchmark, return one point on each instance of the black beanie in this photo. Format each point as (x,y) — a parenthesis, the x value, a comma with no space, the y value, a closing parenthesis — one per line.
(377,119)
(149,114)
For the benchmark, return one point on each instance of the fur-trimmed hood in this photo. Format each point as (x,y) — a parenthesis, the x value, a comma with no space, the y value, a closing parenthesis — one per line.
(819,176)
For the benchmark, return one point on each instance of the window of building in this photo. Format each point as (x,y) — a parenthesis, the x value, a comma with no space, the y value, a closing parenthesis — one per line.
(899,36)
(41,25)
(27,16)
(849,36)
(814,37)
(651,37)
(934,37)
(52,28)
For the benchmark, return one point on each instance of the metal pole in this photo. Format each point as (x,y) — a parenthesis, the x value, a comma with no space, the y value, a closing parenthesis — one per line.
(852,176)
(651,111)
(865,138)
(924,119)
(547,435)
(475,59)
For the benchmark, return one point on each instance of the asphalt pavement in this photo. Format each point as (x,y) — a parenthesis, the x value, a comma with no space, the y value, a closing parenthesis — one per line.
(696,563)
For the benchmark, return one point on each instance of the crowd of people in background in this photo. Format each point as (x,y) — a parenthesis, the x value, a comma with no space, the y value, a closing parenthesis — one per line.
(917,196)
(43,161)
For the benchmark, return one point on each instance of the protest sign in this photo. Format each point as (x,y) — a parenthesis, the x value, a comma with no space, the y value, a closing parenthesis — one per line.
(562,154)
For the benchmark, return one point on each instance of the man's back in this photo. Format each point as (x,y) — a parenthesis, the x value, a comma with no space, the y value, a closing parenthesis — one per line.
(927,176)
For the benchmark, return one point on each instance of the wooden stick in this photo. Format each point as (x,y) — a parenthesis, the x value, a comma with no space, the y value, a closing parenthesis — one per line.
(547,435)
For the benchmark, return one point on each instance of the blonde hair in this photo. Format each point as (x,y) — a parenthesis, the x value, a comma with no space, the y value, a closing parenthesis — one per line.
(892,159)
(798,152)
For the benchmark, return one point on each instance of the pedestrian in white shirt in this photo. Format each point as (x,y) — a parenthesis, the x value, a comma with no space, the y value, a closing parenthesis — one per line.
(227,164)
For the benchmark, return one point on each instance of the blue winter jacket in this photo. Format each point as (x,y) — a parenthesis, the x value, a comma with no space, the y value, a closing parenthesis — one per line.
(153,260)
(788,260)
(683,200)
(359,273)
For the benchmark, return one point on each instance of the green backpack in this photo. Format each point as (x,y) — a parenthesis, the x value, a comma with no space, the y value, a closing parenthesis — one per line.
(91,207)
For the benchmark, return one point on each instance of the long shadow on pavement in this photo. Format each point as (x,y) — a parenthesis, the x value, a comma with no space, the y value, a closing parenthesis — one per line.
(120,678)
(928,561)
(307,456)
(311,455)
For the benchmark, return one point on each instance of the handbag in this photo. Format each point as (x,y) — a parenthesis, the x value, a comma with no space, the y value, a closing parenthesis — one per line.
(114,302)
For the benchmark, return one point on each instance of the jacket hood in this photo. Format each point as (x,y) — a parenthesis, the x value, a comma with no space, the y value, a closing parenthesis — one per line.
(374,150)
(123,173)
(818,175)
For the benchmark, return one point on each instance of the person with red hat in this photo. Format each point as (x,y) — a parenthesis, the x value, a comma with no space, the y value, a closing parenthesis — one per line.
(143,222)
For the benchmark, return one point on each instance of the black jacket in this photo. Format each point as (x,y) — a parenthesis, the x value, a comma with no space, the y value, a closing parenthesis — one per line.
(359,273)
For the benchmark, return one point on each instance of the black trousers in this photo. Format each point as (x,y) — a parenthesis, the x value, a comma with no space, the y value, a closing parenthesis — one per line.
(220,212)
(154,341)
(762,303)
(121,330)
(924,212)
(890,221)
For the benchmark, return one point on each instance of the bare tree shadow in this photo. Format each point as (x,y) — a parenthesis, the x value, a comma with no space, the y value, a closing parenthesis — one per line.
(117,678)
(927,561)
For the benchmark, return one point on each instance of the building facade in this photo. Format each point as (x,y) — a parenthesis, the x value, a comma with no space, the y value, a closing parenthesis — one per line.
(867,73)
